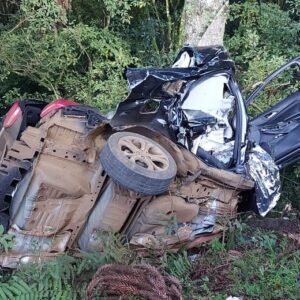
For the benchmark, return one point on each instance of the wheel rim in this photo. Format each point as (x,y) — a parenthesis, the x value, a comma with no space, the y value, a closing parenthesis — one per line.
(143,153)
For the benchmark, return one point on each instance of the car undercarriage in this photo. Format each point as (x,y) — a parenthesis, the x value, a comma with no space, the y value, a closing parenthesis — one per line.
(168,169)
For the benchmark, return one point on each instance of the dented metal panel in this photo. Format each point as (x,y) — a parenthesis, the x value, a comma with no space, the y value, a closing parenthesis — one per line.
(63,185)
(265,173)
(208,108)
(202,199)
(157,101)
(109,214)
(277,130)
(59,197)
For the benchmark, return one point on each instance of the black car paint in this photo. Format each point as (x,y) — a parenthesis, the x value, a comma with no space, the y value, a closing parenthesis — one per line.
(277,129)
(277,135)
(147,84)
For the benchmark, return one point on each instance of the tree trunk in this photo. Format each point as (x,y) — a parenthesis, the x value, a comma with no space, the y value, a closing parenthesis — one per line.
(204,22)
(66,4)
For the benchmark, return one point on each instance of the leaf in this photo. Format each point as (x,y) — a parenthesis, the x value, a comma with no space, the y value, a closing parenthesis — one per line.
(1,229)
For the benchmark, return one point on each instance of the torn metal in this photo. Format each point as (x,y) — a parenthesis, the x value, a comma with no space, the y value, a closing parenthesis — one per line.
(193,105)
(207,107)
(204,111)
(190,137)
(265,173)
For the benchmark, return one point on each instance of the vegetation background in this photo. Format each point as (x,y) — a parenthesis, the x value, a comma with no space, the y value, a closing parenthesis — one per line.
(79,52)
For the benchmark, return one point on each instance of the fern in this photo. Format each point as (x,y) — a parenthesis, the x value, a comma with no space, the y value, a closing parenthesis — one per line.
(16,288)
(6,240)
(64,277)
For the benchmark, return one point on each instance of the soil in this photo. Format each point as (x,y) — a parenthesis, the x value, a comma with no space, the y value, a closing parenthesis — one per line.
(280,225)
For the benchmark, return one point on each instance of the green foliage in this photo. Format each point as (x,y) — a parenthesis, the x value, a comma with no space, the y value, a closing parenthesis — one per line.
(257,35)
(261,265)
(105,13)
(122,8)
(290,178)
(111,249)
(179,265)
(217,246)
(66,277)
(40,16)
(261,276)
(261,36)
(42,54)
(6,240)
(79,62)
(151,28)
(269,270)
(278,89)
(50,280)
(16,288)
(261,27)
(48,53)
(265,241)
(155,32)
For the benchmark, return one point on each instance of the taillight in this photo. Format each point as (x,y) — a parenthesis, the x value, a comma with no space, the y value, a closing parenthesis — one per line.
(56,105)
(12,115)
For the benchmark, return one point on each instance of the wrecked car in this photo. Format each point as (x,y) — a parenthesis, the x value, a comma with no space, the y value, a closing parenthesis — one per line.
(167,170)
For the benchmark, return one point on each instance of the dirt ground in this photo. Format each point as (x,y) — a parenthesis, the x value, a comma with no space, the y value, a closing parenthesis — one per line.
(281,225)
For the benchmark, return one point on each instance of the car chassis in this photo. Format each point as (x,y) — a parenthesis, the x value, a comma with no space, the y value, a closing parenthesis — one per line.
(64,182)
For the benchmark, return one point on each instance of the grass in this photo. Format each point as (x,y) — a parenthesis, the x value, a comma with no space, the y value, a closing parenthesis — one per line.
(261,265)
(250,263)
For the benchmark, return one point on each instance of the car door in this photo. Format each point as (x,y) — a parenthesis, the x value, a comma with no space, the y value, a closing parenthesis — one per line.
(277,129)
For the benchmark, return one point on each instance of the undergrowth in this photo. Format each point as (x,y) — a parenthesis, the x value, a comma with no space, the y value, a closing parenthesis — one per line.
(250,263)
(65,277)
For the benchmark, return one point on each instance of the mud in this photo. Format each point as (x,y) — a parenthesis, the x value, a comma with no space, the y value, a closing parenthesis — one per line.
(276,224)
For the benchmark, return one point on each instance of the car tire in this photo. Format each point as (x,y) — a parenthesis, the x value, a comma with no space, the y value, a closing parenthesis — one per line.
(138,163)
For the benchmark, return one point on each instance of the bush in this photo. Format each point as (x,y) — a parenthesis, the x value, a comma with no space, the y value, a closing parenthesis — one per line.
(50,58)
(261,36)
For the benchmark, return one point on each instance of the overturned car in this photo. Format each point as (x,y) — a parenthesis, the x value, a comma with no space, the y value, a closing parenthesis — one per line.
(168,169)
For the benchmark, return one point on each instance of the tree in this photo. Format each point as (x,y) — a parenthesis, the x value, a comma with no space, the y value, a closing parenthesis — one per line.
(66,4)
(204,22)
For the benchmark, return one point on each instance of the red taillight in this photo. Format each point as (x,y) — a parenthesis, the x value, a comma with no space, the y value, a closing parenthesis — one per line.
(12,115)
(56,105)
